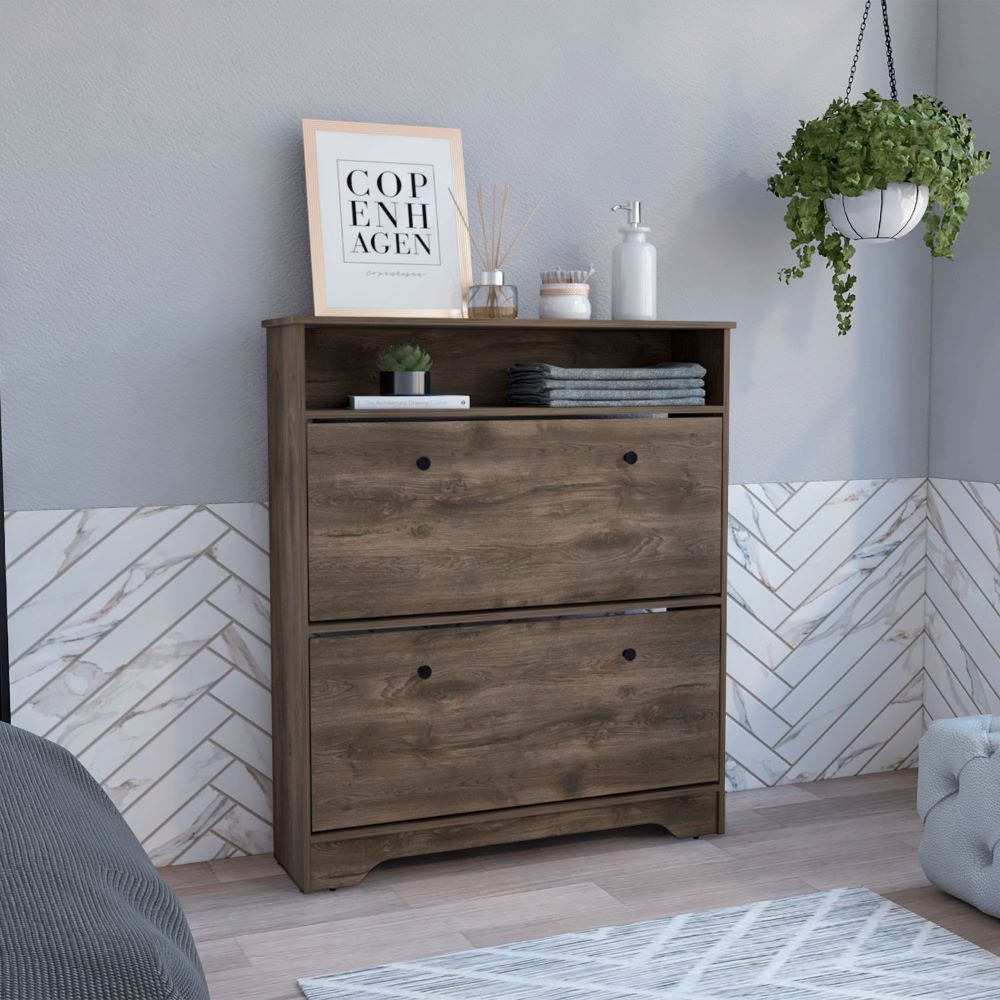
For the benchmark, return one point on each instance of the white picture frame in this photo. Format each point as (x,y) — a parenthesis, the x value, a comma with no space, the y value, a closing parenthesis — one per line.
(384,234)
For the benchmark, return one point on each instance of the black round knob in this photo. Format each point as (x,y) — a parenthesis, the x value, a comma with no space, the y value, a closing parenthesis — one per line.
(423,463)
(423,672)
(629,654)
(631,457)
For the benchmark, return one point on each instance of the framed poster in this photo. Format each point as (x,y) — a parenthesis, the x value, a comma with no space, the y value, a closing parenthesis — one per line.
(384,235)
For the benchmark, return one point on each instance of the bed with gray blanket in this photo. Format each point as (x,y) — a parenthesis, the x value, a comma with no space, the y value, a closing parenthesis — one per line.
(83,913)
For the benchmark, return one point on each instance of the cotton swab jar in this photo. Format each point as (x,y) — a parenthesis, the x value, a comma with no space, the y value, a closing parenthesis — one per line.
(564,294)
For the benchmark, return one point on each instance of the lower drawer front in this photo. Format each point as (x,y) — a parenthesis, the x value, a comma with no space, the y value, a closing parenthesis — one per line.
(438,721)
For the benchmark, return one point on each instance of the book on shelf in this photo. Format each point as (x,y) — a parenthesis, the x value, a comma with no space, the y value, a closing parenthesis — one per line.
(427,402)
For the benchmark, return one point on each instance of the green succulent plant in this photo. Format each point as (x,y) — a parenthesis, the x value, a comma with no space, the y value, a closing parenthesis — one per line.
(407,358)
(854,148)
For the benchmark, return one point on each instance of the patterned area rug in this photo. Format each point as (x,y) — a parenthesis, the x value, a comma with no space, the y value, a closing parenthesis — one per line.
(848,943)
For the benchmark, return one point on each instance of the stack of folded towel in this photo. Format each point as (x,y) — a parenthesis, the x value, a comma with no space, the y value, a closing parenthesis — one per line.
(671,384)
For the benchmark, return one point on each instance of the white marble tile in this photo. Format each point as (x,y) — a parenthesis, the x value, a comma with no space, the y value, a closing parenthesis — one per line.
(840,746)
(246,742)
(250,519)
(25,528)
(746,669)
(120,550)
(182,830)
(153,633)
(738,778)
(752,595)
(252,700)
(829,694)
(753,715)
(59,550)
(774,495)
(843,505)
(806,500)
(901,748)
(246,606)
(850,554)
(170,768)
(757,517)
(755,637)
(130,732)
(873,606)
(245,831)
(971,515)
(244,559)
(246,651)
(754,755)
(248,787)
(109,606)
(755,557)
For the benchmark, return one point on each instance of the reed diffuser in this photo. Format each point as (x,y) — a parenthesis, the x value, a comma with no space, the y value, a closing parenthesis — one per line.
(491,298)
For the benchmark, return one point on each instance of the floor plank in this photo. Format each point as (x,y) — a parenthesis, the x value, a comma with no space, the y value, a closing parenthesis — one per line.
(258,934)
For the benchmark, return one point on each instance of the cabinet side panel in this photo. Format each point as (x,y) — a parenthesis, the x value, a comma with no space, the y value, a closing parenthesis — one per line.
(724,375)
(290,664)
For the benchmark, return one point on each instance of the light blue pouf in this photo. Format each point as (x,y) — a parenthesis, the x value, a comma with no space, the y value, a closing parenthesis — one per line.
(958,798)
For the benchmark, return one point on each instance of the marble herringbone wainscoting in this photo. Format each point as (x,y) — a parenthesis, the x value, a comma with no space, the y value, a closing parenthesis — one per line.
(826,620)
(962,642)
(139,640)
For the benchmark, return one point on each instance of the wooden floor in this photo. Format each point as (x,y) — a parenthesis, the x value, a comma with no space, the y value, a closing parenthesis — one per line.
(257,933)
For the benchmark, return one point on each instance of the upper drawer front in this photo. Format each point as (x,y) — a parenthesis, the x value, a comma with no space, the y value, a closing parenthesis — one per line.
(437,721)
(468,515)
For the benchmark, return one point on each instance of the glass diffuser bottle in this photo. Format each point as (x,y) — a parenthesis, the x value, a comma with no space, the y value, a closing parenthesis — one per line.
(491,298)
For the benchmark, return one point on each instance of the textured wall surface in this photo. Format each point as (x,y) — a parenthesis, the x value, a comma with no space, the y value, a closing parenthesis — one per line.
(140,641)
(965,403)
(154,212)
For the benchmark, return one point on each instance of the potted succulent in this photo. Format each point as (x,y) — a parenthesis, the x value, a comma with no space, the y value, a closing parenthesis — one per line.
(869,171)
(405,371)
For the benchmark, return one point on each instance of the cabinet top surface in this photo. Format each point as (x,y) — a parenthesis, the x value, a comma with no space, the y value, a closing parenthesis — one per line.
(327,322)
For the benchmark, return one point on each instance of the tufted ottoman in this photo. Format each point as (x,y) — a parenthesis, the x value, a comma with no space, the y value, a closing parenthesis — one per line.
(958,798)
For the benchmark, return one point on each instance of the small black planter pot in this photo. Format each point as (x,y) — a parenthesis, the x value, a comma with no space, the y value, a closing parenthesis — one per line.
(404,383)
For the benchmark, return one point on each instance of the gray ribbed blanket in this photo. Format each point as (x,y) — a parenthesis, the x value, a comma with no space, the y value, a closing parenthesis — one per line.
(83,913)
(534,382)
(645,401)
(665,395)
(670,369)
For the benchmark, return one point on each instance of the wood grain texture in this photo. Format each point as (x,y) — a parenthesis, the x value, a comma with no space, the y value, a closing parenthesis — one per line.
(289,651)
(511,513)
(473,617)
(513,413)
(346,857)
(511,715)
(473,358)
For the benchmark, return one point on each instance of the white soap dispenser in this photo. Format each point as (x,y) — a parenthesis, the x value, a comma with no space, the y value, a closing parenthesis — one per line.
(633,271)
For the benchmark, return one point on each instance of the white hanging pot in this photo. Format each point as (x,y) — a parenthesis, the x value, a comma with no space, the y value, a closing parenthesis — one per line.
(879,215)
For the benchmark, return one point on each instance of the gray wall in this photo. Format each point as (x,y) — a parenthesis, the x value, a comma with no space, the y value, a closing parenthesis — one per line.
(965,397)
(154,211)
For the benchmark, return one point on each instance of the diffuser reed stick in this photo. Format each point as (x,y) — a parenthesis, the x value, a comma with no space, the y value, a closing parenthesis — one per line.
(489,248)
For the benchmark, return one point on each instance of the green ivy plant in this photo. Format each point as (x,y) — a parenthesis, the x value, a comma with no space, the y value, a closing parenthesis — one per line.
(408,358)
(856,147)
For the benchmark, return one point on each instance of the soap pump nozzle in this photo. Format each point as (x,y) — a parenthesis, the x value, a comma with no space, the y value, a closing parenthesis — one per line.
(634,209)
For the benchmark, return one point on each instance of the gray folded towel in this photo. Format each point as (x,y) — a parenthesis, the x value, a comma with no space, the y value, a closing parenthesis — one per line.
(667,395)
(533,381)
(684,401)
(670,369)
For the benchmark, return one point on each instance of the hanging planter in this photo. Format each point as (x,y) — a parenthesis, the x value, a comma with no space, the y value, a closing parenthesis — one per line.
(870,172)
(880,215)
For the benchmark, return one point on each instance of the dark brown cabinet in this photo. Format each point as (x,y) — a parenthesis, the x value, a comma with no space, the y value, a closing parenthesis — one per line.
(491,624)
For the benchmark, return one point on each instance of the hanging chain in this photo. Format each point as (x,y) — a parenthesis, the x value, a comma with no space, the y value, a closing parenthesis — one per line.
(888,49)
(888,52)
(857,49)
